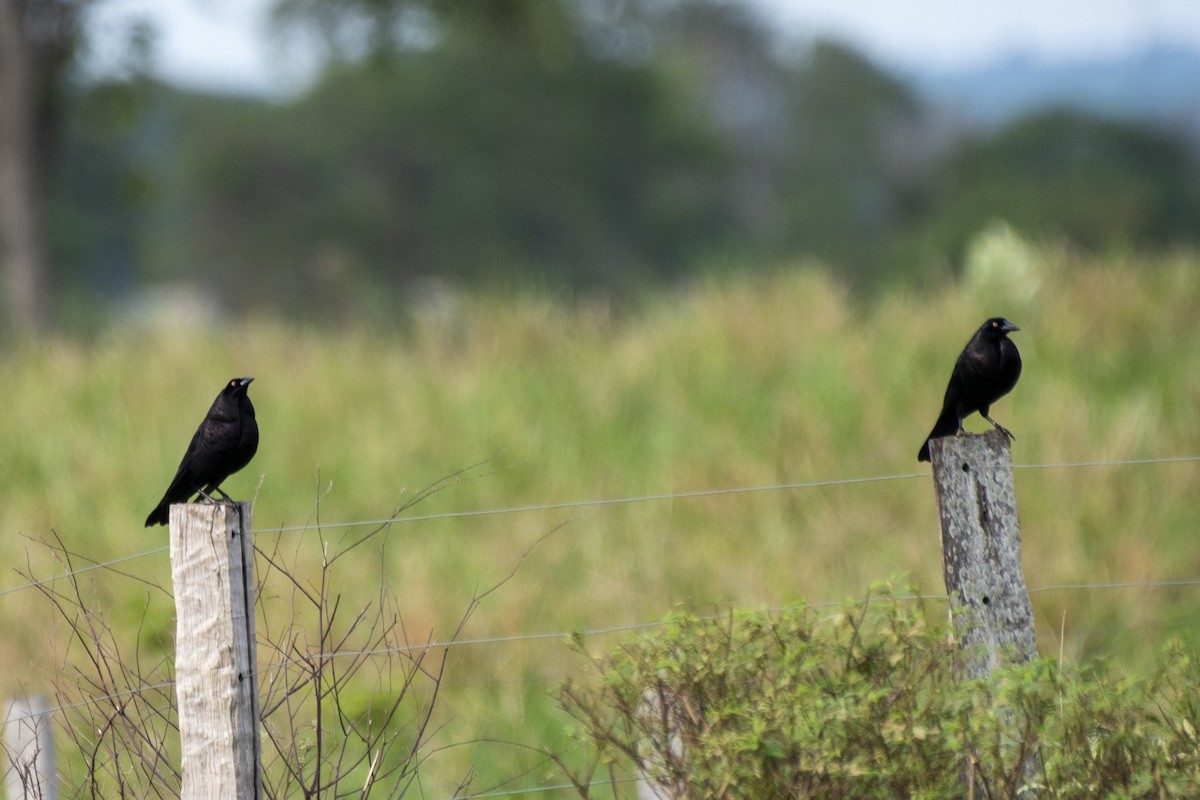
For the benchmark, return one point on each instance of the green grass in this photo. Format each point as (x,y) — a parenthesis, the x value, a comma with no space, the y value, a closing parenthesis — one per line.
(728,383)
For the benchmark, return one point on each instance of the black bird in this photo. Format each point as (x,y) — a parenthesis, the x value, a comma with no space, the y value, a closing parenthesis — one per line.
(986,370)
(224,443)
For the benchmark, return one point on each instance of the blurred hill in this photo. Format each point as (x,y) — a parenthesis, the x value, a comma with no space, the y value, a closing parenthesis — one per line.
(1160,83)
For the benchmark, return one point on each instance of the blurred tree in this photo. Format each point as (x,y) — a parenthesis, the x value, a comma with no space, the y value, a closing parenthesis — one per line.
(594,140)
(37,39)
(353,30)
(827,148)
(576,143)
(847,171)
(723,57)
(503,148)
(1098,182)
(459,164)
(102,189)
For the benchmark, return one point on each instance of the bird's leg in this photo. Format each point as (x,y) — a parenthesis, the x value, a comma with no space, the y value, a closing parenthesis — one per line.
(212,490)
(1000,428)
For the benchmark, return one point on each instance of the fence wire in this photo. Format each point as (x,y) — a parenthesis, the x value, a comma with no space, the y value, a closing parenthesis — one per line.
(563,635)
(612,501)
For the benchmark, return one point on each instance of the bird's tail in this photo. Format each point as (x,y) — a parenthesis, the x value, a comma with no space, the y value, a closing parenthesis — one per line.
(947,425)
(160,515)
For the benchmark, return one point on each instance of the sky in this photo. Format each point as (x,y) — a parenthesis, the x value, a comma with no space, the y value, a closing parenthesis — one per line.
(226,44)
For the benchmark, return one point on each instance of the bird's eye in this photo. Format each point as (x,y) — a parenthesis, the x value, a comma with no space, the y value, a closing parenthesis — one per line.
(995,324)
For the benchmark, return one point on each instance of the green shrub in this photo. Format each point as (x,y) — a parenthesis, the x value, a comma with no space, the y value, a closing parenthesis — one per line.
(867,703)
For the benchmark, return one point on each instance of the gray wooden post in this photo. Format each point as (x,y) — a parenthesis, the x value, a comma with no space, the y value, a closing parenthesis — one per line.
(990,611)
(29,750)
(981,551)
(212,567)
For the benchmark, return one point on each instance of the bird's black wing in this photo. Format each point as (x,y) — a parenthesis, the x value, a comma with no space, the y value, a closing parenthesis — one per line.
(183,485)
(959,400)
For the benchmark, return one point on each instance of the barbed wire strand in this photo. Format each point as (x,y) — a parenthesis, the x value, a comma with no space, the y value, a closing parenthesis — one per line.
(599,502)
(586,632)
(92,701)
(614,501)
(703,493)
(97,565)
(448,644)
(590,632)
(1119,585)
(604,631)
(547,788)
(475,513)
(1123,462)
(609,501)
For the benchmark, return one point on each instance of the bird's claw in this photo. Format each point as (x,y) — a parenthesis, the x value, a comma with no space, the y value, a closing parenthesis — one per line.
(1002,429)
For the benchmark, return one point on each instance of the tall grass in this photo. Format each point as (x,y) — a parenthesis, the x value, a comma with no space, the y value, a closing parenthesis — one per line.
(783,378)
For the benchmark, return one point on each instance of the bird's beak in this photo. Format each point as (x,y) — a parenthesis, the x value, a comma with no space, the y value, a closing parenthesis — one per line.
(246,381)
(1007,327)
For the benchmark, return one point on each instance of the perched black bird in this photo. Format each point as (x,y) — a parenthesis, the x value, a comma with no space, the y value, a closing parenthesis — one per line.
(986,370)
(224,443)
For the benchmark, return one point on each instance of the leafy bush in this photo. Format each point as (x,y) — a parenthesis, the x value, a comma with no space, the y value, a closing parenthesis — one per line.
(866,703)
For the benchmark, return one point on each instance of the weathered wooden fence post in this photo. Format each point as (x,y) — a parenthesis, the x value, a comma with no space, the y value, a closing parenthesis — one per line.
(212,567)
(990,612)
(981,551)
(29,750)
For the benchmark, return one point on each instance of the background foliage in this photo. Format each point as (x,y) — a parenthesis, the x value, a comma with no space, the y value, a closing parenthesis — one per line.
(866,701)
(582,147)
(729,383)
